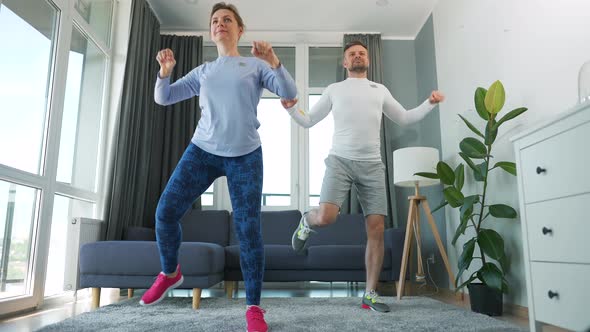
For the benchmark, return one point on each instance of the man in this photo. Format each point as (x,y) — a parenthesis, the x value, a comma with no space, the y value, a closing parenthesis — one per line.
(355,157)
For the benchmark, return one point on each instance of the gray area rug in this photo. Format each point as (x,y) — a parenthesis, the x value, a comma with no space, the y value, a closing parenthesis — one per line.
(283,314)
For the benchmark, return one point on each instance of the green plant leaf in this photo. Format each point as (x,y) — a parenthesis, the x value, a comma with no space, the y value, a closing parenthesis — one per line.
(459,176)
(473,277)
(469,162)
(495,97)
(480,107)
(440,206)
(508,166)
(502,211)
(466,215)
(491,276)
(462,226)
(473,148)
(481,174)
(427,175)
(468,203)
(472,127)
(466,257)
(445,172)
(460,230)
(453,196)
(510,115)
(491,243)
(491,134)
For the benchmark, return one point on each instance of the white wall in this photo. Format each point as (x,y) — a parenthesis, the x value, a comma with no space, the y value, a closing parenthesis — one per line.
(536,49)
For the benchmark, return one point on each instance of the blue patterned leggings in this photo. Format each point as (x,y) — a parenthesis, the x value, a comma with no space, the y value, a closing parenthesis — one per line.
(194,173)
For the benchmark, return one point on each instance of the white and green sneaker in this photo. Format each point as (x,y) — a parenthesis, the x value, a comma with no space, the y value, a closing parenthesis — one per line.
(301,235)
(373,302)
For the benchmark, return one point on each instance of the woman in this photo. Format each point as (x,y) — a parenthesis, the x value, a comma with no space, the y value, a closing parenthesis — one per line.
(225,143)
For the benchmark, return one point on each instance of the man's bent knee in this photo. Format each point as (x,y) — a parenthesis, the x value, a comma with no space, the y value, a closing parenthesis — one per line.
(327,214)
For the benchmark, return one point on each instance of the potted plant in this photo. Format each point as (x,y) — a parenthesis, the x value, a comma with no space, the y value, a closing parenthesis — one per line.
(475,210)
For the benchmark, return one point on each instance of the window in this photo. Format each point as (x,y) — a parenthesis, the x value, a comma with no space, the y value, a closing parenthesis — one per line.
(207,196)
(275,134)
(18,206)
(28,29)
(320,143)
(82,114)
(97,13)
(51,114)
(288,164)
(325,66)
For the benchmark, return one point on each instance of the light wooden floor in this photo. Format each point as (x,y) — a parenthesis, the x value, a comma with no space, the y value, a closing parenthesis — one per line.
(53,314)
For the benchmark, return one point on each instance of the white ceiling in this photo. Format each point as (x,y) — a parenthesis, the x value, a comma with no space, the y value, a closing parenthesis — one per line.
(394,19)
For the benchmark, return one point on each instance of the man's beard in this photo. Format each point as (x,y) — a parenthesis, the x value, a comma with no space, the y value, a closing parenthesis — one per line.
(359,68)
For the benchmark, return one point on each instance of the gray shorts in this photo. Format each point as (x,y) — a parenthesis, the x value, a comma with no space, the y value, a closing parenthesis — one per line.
(367,176)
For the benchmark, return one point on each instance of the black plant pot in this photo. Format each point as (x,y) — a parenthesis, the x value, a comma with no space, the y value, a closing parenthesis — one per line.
(485,300)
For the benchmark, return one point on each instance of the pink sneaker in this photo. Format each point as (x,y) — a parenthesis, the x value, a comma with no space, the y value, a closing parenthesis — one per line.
(255,319)
(160,287)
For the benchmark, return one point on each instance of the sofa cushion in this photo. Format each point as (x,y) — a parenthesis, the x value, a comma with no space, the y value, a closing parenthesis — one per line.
(277,227)
(142,258)
(340,257)
(349,229)
(276,257)
(211,226)
(135,233)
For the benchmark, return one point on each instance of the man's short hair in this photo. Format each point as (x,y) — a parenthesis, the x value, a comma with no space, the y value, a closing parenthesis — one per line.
(354,43)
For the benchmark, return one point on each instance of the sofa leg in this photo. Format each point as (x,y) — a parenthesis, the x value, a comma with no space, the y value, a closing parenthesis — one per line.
(95,298)
(196,298)
(129,293)
(229,288)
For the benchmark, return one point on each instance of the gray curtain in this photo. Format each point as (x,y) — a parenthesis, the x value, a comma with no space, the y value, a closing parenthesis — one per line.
(173,125)
(375,74)
(148,141)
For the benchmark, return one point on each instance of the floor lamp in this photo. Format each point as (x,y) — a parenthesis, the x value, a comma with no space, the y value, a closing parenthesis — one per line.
(407,162)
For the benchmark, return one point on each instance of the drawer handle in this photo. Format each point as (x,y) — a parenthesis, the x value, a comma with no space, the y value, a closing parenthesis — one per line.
(540,170)
(552,294)
(547,230)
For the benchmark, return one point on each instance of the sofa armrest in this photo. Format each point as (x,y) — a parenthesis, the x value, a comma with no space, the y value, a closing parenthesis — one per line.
(394,241)
(139,234)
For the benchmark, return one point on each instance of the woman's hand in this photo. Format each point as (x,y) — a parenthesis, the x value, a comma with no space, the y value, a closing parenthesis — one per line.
(166,60)
(436,97)
(264,51)
(288,103)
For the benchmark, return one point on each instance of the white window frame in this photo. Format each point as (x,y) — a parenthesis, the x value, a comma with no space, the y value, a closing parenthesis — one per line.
(304,142)
(67,19)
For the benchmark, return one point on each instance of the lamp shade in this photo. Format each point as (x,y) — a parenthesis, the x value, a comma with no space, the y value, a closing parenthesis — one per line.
(408,161)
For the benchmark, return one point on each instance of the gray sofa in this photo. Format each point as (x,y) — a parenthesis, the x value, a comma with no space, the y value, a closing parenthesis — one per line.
(209,254)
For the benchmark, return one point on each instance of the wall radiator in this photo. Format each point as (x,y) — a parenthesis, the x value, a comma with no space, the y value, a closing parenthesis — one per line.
(80,231)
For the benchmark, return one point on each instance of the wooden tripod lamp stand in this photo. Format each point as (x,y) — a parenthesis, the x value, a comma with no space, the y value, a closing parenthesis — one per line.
(407,162)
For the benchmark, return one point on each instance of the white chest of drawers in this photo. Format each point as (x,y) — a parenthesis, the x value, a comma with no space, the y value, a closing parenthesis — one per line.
(553,164)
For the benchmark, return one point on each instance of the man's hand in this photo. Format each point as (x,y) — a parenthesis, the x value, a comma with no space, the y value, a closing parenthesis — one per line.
(264,51)
(436,97)
(288,103)
(166,60)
